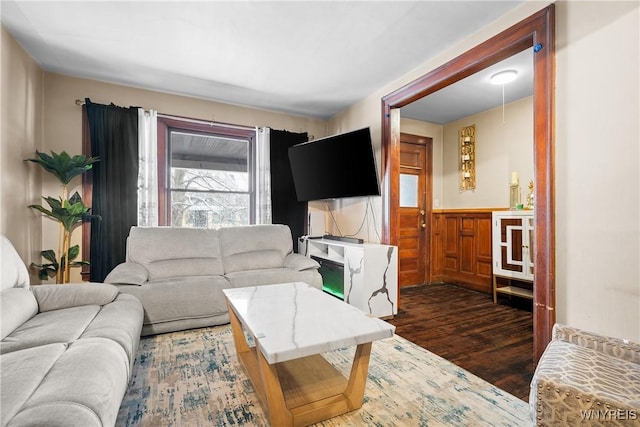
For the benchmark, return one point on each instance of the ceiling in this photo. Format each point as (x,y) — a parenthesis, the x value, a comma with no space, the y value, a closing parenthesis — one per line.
(305,58)
(476,93)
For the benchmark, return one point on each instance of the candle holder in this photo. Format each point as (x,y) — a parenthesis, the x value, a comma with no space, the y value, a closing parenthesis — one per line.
(514,196)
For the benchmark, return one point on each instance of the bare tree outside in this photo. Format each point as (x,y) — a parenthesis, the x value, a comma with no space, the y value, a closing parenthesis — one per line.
(209,198)
(210,180)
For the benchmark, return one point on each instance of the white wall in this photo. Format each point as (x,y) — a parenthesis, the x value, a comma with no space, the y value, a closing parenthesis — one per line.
(598,166)
(21,111)
(502,147)
(597,158)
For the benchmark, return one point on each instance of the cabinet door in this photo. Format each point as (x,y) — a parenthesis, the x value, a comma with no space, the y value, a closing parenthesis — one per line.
(530,239)
(511,238)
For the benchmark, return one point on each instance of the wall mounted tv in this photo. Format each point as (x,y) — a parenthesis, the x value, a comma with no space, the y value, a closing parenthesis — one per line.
(335,167)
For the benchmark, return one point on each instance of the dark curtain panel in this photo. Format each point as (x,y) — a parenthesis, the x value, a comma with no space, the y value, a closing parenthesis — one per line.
(114,139)
(285,207)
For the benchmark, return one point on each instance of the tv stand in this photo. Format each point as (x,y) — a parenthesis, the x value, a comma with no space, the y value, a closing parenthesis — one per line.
(343,239)
(368,273)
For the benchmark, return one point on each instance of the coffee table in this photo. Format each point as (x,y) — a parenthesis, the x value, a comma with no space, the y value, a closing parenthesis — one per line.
(291,324)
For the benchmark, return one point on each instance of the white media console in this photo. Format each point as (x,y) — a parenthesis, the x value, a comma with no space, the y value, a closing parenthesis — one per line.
(364,275)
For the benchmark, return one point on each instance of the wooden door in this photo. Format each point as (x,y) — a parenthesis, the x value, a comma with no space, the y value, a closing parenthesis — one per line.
(415,209)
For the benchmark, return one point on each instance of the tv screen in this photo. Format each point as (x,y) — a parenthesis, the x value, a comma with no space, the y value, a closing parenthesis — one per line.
(334,167)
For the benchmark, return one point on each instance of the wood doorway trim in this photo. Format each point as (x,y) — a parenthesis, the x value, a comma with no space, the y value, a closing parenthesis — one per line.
(535,32)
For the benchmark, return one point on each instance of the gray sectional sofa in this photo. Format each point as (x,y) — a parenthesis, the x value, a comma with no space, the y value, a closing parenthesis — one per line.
(179,273)
(66,352)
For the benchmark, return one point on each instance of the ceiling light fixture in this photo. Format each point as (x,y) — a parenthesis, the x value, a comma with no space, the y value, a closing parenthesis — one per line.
(504,77)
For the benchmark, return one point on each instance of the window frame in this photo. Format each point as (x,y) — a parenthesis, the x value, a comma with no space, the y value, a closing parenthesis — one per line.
(167,124)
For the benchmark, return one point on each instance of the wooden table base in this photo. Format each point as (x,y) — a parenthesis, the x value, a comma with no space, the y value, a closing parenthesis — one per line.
(302,391)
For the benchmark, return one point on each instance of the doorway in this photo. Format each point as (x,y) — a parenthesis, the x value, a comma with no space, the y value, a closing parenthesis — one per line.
(414,209)
(536,32)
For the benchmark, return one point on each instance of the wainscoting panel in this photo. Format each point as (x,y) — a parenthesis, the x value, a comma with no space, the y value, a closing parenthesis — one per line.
(461,248)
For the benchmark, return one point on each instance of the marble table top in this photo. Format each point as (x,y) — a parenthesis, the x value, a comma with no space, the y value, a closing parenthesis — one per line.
(294,320)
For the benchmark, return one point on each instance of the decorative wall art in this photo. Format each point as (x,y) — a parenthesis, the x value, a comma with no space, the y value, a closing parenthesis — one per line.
(467,162)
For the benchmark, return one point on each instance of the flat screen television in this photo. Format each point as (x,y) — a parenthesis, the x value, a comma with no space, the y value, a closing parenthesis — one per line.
(334,167)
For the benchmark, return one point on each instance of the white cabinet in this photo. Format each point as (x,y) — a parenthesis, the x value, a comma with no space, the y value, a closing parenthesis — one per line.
(363,275)
(512,235)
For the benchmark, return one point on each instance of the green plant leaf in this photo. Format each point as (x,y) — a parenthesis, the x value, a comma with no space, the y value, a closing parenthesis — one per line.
(63,166)
(74,251)
(45,271)
(49,255)
(78,263)
(43,210)
(68,212)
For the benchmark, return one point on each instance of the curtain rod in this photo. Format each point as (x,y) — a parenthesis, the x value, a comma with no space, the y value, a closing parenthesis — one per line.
(80,103)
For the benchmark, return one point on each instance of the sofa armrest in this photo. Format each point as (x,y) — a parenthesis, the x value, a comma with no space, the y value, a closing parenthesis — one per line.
(299,262)
(57,297)
(615,347)
(128,273)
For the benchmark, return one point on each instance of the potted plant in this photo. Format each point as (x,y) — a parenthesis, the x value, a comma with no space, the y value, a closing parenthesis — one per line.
(68,212)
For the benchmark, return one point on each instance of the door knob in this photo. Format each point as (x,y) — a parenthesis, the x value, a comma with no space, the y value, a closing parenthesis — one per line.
(422,212)
(423,226)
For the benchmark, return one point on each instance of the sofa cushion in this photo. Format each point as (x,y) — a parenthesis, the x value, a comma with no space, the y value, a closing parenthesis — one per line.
(17,305)
(56,297)
(14,272)
(173,252)
(16,301)
(254,247)
(253,260)
(272,276)
(83,388)
(120,321)
(22,372)
(128,273)
(167,300)
(58,326)
(299,262)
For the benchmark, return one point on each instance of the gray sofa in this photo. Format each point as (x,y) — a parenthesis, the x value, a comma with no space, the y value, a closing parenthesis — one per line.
(67,350)
(179,273)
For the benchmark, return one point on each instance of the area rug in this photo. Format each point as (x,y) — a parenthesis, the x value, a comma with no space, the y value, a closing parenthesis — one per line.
(193,378)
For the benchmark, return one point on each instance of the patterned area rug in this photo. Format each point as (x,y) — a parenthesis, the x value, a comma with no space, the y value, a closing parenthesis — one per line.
(193,378)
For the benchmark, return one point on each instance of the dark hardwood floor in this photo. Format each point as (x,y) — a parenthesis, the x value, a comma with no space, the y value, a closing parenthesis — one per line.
(493,341)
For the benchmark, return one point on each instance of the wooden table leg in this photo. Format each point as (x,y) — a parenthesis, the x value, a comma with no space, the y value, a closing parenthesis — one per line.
(238,334)
(247,356)
(358,376)
(279,414)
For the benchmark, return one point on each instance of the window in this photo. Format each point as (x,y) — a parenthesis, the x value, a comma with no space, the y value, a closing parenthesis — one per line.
(205,174)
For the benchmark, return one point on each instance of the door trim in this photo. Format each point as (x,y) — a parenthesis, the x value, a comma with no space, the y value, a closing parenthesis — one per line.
(537,30)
